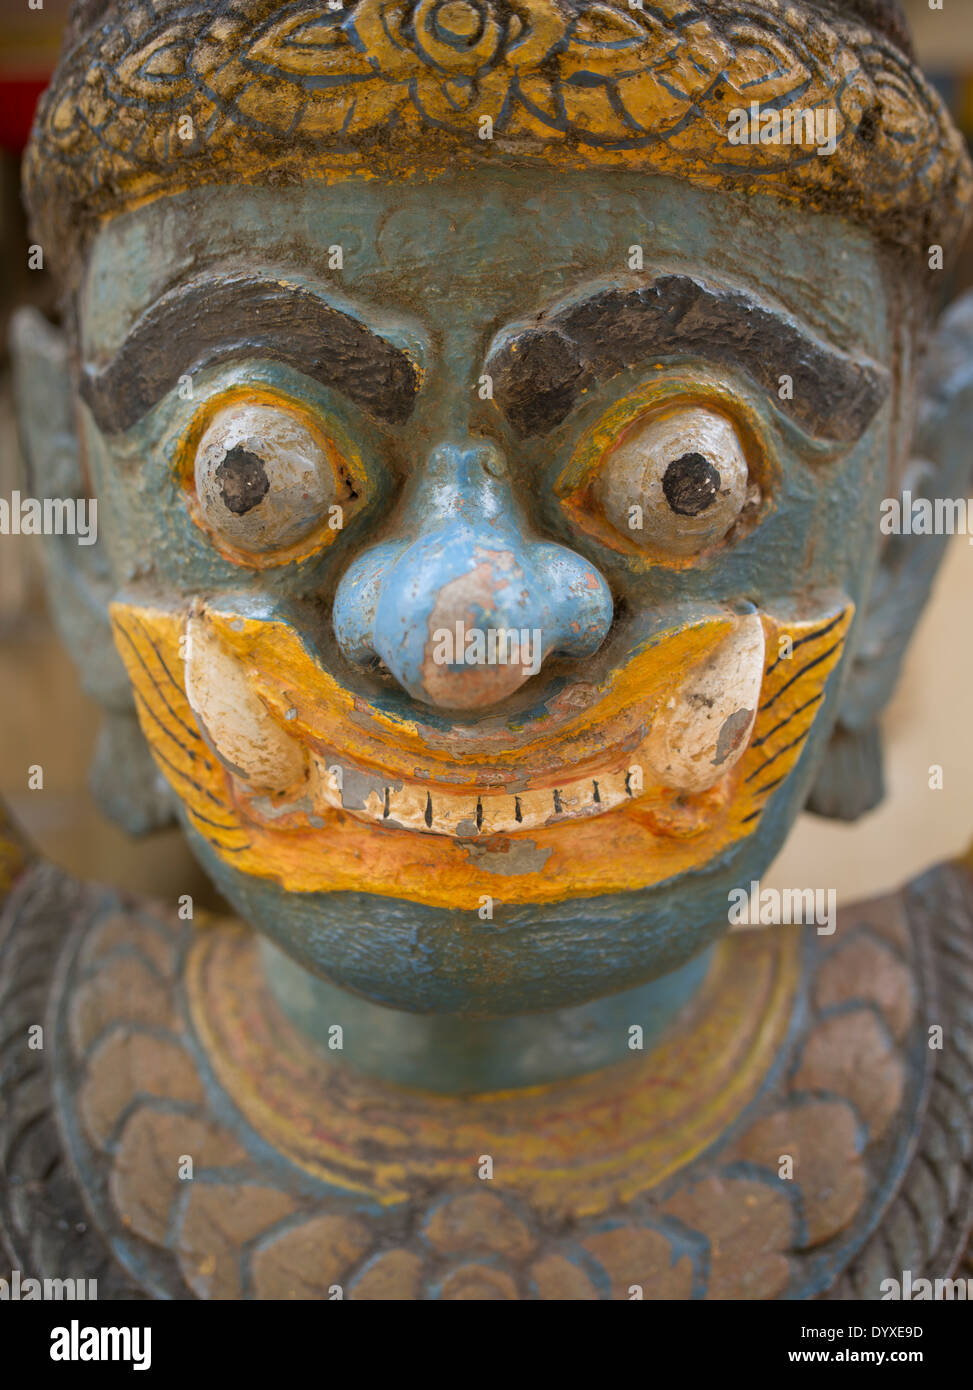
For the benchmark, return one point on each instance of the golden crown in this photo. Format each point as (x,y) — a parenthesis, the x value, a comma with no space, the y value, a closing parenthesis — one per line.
(153,96)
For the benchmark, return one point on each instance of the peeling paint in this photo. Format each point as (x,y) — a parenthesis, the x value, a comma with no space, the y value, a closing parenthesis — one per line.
(519,857)
(357,787)
(734,729)
(303,806)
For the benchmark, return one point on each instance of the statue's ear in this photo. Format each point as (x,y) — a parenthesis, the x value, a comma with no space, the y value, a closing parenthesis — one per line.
(850,781)
(124,780)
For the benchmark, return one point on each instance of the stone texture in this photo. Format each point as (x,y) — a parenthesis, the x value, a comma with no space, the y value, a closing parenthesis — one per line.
(124,989)
(749,1226)
(394,1276)
(123,931)
(822,1140)
(557,1278)
(636,1255)
(145,1177)
(886,916)
(865,969)
(478,1223)
(306,1261)
(850,1054)
(218,1221)
(127,1065)
(479,1283)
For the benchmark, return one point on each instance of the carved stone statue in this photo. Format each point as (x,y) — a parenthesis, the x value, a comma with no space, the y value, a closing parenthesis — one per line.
(490,405)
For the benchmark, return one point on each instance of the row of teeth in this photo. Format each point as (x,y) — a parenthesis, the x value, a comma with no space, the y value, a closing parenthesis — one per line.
(451,813)
(682,750)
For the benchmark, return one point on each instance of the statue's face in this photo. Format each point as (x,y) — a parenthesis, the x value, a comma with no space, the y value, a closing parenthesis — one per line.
(483,551)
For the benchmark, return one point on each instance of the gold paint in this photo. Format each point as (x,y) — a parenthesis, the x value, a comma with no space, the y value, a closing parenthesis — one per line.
(574,1148)
(352,483)
(647,840)
(329,715)
(675,390)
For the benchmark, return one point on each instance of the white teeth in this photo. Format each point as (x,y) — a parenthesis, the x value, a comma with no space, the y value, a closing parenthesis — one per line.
(704,729)
(446,811)
(233,719)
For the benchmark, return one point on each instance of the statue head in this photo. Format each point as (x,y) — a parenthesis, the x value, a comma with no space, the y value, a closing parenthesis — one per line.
(489,405)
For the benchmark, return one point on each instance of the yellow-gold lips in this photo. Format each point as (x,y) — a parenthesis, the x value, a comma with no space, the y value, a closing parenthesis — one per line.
(627,781)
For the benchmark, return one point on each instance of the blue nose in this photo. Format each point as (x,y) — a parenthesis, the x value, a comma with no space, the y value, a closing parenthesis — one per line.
(466,608)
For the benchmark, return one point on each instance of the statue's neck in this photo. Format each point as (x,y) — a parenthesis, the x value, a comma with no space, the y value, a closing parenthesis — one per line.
(455,1055)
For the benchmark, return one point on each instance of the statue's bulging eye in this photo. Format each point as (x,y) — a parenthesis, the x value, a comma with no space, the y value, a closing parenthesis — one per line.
(677,481)
(263,480)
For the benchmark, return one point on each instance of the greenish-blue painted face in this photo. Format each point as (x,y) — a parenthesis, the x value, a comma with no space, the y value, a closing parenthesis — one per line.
(605,410)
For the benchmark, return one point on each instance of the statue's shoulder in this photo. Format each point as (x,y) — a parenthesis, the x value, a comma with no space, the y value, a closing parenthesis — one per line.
(164,1131)
(46,1226)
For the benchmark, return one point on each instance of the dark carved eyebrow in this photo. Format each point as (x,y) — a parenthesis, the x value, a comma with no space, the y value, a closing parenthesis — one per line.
(540,372)
(211,321)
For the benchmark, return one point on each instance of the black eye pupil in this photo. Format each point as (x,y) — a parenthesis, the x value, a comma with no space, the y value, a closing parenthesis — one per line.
(242,480)
(690,484)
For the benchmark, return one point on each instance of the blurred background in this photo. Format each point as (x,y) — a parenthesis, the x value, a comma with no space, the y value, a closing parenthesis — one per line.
(47,720)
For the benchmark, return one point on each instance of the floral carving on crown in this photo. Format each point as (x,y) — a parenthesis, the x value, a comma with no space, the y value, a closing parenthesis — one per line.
(461,40)
(527,64)
(401,87)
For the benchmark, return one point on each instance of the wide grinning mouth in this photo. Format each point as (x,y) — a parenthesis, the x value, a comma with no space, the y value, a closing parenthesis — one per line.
(671,741)
(286,775)
(667,730)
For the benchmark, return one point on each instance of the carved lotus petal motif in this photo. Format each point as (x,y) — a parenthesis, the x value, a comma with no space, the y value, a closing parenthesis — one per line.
(600,33)
(539,30)
(455,100)
(457,36)
(651,90)
(310,44)
(158,71)
(454,38)
(766,68)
